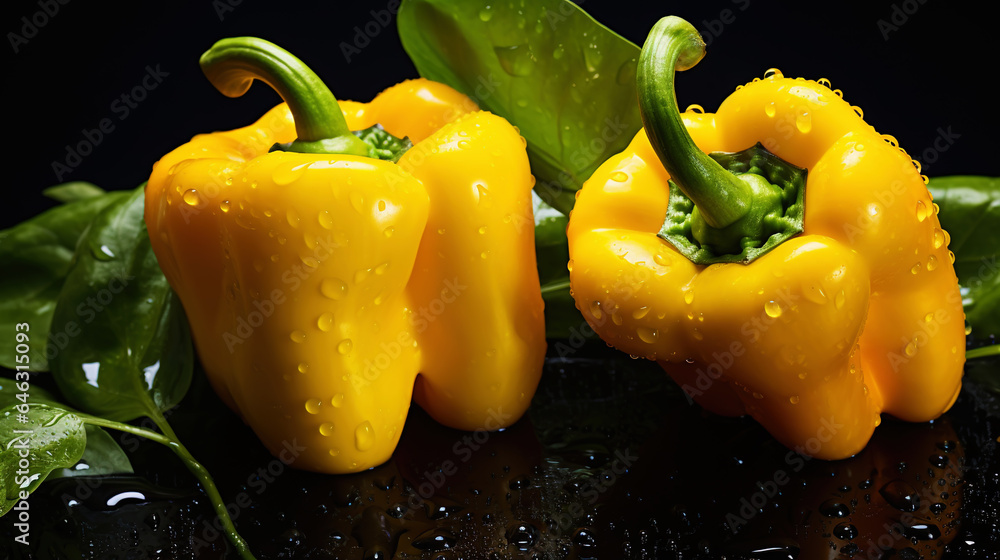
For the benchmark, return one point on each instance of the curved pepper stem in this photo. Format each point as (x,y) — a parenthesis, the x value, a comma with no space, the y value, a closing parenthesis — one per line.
(675,45)
(233,64)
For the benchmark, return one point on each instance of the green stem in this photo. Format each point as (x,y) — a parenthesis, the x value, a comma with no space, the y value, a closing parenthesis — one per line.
(121,427)
(675,45)
(555,286)
(233,64)
(983,352)
(204,478)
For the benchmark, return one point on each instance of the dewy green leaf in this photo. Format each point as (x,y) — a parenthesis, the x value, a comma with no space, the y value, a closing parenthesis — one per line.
(970,213)
(35,257)
(546,66)
(52,439)
(103,455)
(132,354)
(71,192)
(562,319)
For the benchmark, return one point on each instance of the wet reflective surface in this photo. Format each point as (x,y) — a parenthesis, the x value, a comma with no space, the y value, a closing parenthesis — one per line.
(611,462)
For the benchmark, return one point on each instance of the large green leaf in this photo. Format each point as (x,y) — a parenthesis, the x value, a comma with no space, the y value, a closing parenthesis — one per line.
(36,439)
(546,66)
(35,257)
(970,213)
(133,351)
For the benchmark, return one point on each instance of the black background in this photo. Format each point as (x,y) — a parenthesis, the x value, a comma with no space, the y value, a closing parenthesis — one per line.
(934,72)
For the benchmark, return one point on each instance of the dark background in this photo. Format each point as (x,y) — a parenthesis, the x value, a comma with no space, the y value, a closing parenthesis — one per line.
(932,74)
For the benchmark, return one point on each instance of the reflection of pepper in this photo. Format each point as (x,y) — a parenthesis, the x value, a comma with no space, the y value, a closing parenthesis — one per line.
(320,279)
(857,315)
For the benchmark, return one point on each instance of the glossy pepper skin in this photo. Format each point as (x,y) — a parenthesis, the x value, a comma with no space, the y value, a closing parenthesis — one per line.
(858,315)
(318,286)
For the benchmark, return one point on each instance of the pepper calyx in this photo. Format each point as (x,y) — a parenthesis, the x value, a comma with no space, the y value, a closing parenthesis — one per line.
(381,144)
(775,215)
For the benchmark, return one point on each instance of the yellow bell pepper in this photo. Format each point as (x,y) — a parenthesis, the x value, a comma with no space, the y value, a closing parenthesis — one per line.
(319,280)
(813,325)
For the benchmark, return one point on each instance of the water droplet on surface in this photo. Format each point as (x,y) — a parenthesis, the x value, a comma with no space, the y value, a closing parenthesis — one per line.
(358,201)
(619,176)
(333,288)
(303,367)
(923,532)
(325,322)
(345,346)
(640,313)
(298,336)
(325,219)
(326,429)
(915,268)
(224,206)
(595,309)
(921,211)
(773,73)
(516,60)
(287,173)
(334,452)
(794,399)
(900,495)
(773,309)
(364,436)
(486,14)
(938,238)
(337,400)
(911,348)
(523,536)
(932,263)
(757,395)
(312,406)
(770,109)
(293,218)
(311,262)
(688,297)
(647,335)
(803,122)
(191,197)
(834,508)
(845,531)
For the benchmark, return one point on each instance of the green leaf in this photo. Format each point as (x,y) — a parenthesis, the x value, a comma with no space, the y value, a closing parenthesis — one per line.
(384,145)
(56,440)
(970,213)
(71,192)
(564,79)
(562,318)
(103,455)
(132,354)
(35,257)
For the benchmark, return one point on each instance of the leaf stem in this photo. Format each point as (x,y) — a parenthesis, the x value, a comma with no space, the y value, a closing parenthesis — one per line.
(201,473)
(122,427)
(554,286)
(982,352)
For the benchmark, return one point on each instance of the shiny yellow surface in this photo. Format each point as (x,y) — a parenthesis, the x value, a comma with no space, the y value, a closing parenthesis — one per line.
(318,287)
(859,315)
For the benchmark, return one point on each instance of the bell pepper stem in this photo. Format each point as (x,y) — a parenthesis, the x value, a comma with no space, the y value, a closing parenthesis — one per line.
(675,45)
(233,64)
